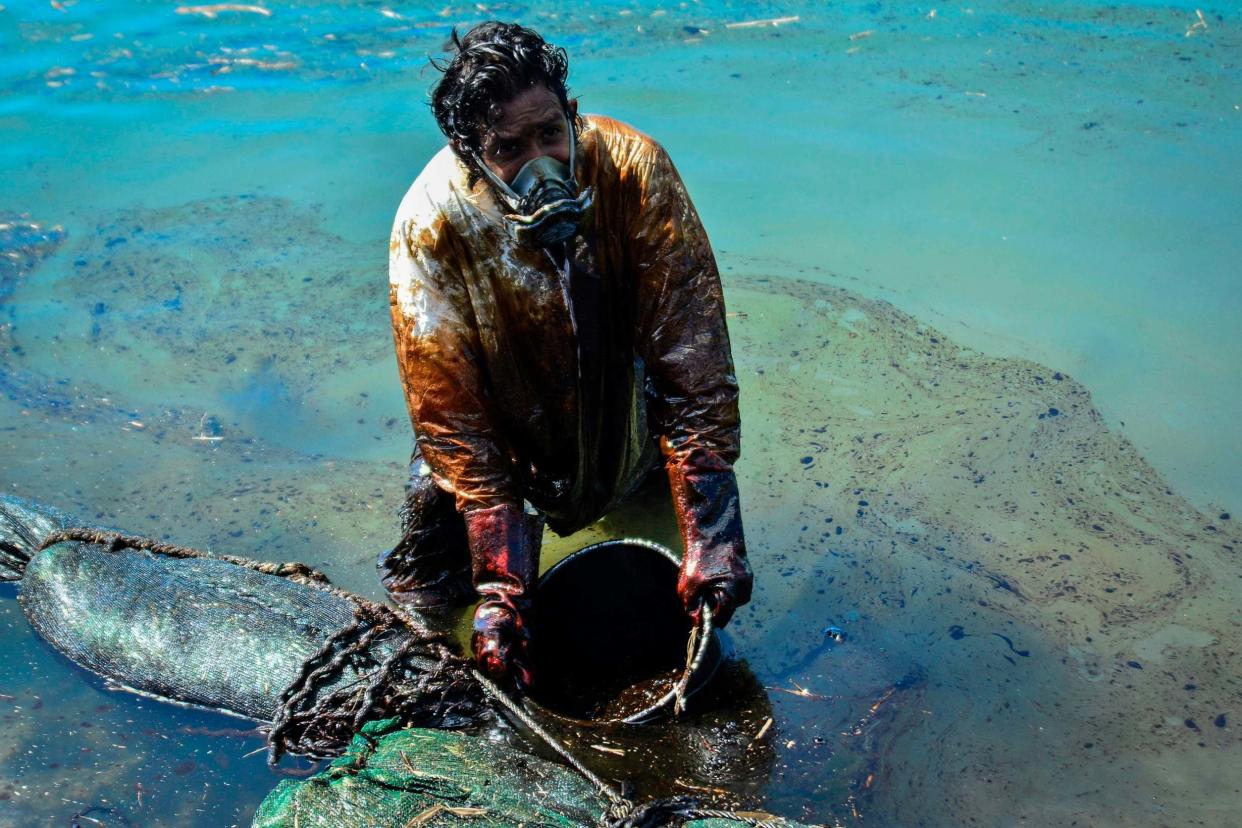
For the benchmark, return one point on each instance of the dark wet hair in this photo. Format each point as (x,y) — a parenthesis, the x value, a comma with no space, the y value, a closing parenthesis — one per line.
(493,63)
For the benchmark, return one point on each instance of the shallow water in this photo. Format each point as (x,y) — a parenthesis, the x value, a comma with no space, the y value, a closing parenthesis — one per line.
(196,346)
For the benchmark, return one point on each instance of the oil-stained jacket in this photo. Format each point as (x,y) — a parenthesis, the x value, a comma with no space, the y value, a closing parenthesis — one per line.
(534,376)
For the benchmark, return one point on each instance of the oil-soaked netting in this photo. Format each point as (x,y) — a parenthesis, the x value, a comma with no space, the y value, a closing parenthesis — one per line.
(271,642)
(398,777)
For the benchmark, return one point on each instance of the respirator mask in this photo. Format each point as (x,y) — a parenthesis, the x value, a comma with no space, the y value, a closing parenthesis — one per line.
(545,204)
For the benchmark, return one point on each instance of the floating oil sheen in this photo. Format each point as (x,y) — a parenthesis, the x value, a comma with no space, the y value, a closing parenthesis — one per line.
(979,264)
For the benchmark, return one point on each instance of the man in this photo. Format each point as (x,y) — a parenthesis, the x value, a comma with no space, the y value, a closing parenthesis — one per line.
(559,326)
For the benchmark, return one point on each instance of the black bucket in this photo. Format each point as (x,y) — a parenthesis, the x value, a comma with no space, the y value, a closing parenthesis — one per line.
(612,636)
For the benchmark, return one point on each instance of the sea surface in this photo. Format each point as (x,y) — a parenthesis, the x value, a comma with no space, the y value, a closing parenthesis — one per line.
(982,267)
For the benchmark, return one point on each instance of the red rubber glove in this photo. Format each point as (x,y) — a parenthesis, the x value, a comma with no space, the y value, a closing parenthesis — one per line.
(714,570)
(504,557)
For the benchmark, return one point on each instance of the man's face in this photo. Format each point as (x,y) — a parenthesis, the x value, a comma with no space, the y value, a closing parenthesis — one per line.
(530,125)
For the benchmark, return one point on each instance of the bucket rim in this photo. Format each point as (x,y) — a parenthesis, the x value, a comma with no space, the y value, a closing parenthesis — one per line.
(654,546)
(706,635)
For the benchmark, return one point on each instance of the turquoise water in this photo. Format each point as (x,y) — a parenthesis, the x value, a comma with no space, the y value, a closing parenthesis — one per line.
(1048,182)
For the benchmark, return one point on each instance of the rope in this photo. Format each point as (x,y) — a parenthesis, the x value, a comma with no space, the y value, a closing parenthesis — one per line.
(522,716)
(661,812)
(115,542)
(694,658)
(765,821)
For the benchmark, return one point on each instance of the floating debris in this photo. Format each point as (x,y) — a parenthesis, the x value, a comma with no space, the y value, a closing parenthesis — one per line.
(211,12)
(226,64)
(1199,25)
(770,21)
(763,731)
(799,691)
(605,749)
(23,244)
(205,426)
(440,808)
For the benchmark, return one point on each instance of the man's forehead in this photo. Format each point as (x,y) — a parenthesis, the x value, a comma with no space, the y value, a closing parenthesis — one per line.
(517,130)
(535,107)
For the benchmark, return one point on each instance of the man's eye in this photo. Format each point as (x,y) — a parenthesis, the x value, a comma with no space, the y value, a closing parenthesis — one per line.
(503,150)
(552,131)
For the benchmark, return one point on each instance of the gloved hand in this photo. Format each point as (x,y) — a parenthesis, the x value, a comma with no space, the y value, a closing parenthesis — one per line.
(504,557)
(714,570)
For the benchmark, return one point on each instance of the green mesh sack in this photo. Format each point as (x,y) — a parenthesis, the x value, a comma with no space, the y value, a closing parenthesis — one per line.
(419,777)
(392,777)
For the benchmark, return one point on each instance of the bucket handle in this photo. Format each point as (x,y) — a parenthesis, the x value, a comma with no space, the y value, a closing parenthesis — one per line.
(701,631)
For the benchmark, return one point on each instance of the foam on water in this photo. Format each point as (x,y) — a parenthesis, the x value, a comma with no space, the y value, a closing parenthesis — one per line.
(203,353)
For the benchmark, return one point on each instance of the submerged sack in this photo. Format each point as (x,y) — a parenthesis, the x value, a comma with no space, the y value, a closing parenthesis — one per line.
(227,635)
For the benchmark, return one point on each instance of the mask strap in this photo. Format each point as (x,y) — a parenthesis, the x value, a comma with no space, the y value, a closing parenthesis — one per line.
(505,191)
(573,151)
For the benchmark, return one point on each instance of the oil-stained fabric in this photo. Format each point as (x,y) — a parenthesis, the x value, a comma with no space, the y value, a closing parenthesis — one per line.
(430,565)
(528,374)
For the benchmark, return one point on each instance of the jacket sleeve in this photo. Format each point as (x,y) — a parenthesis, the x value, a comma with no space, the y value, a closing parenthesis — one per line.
(684,342)
(439,359)
(683,337)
